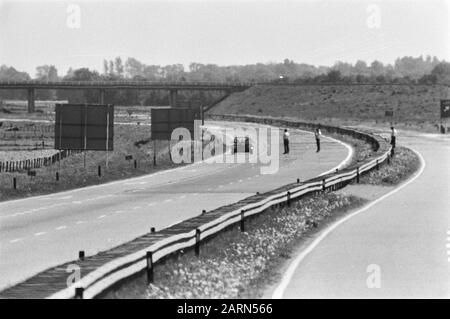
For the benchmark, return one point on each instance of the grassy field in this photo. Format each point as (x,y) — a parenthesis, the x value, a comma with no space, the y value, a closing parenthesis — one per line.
(73,174)
(414,106)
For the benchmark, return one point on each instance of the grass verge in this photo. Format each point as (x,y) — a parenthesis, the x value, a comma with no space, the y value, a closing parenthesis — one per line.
(403,164)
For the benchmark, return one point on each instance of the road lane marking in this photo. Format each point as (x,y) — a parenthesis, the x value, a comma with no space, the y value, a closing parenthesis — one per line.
(15,240)
(137,207)
(287,276)
(167,200)
(79,222)
(40,233)
(101,216)
(118,211)
(61,227)
(182,196)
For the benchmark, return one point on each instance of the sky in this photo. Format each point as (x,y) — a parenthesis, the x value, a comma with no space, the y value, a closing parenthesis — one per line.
(83,33)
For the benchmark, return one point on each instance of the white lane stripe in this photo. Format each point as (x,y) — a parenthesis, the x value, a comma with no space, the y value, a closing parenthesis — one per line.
(183,196)
(345,162)
(168,200)
(40,233)
(118,211)
(79,222)
(15,240)
(137,207)
(101,216)
(447,245)
(279,291)
(151,204)
(61,227)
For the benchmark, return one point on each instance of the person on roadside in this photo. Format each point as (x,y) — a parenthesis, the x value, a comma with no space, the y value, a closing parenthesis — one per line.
(286,141)
(393,137)
(317,135)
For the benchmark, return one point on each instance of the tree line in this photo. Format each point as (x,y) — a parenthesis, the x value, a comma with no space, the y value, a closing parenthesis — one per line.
(405,70)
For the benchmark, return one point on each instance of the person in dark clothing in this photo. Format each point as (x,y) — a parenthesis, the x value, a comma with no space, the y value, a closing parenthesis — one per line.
(317,134)
(393,136)
(286,141)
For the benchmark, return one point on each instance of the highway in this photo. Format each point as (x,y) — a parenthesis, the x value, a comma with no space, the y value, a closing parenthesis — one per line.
(399,247)
(40,232)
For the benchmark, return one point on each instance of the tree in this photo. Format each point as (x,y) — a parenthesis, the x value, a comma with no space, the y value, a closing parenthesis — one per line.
(47,73)
(105,67)
(119,66)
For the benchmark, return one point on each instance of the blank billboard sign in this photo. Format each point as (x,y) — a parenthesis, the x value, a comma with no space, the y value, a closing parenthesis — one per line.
(165,120)
(84,127)
(445,108)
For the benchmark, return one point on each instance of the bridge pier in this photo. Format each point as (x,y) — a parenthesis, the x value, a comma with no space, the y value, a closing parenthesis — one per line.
(31,100)
(173,98)
(102,96)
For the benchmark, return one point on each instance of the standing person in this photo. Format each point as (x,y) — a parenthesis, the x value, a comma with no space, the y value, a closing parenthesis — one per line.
(286,141)
(393,136)
(317,134)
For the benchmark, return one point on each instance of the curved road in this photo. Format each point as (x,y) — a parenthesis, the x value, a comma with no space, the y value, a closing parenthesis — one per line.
(44,231)
(397,248)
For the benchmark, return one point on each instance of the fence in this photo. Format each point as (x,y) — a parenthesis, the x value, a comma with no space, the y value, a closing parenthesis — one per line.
(108,268)
(17,166)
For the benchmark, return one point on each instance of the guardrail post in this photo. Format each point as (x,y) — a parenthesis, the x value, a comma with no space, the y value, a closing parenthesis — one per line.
(99,171)
(388,157)
(242,221)
(135,164)
(15,183)
(378,166)
(357,174)
(57,176)
(197,242)
(288,201)
(149,257)
(323,184)
(79,292)
(152,230)
(81,255)
(298,180)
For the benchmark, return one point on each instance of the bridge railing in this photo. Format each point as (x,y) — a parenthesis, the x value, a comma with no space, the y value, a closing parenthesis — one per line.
(126,82)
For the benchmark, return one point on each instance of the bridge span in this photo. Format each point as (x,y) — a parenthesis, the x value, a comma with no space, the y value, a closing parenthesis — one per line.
(102,86)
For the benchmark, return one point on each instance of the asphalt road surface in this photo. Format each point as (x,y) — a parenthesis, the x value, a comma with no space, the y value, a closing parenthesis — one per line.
(44,231)
(397,248)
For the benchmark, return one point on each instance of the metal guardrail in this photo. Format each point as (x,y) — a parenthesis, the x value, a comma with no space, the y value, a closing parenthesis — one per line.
(190,233)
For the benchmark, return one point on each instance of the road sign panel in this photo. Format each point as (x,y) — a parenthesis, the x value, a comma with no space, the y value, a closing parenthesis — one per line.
(84,127)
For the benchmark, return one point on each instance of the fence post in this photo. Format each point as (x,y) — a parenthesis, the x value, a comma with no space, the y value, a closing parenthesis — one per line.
(15,183)
(57,176)
(197,242)
(99,171)
(135,164)
(79,292)
(378,166)
(388,157)
(81,255)
(357,174)
(323,184)
(242,221)
(288,199)
(149,257)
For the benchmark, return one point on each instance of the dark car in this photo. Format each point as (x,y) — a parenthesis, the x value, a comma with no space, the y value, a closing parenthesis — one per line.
(242,144)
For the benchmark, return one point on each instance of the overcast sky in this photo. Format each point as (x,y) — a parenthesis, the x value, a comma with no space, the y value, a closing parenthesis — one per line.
(33,33)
